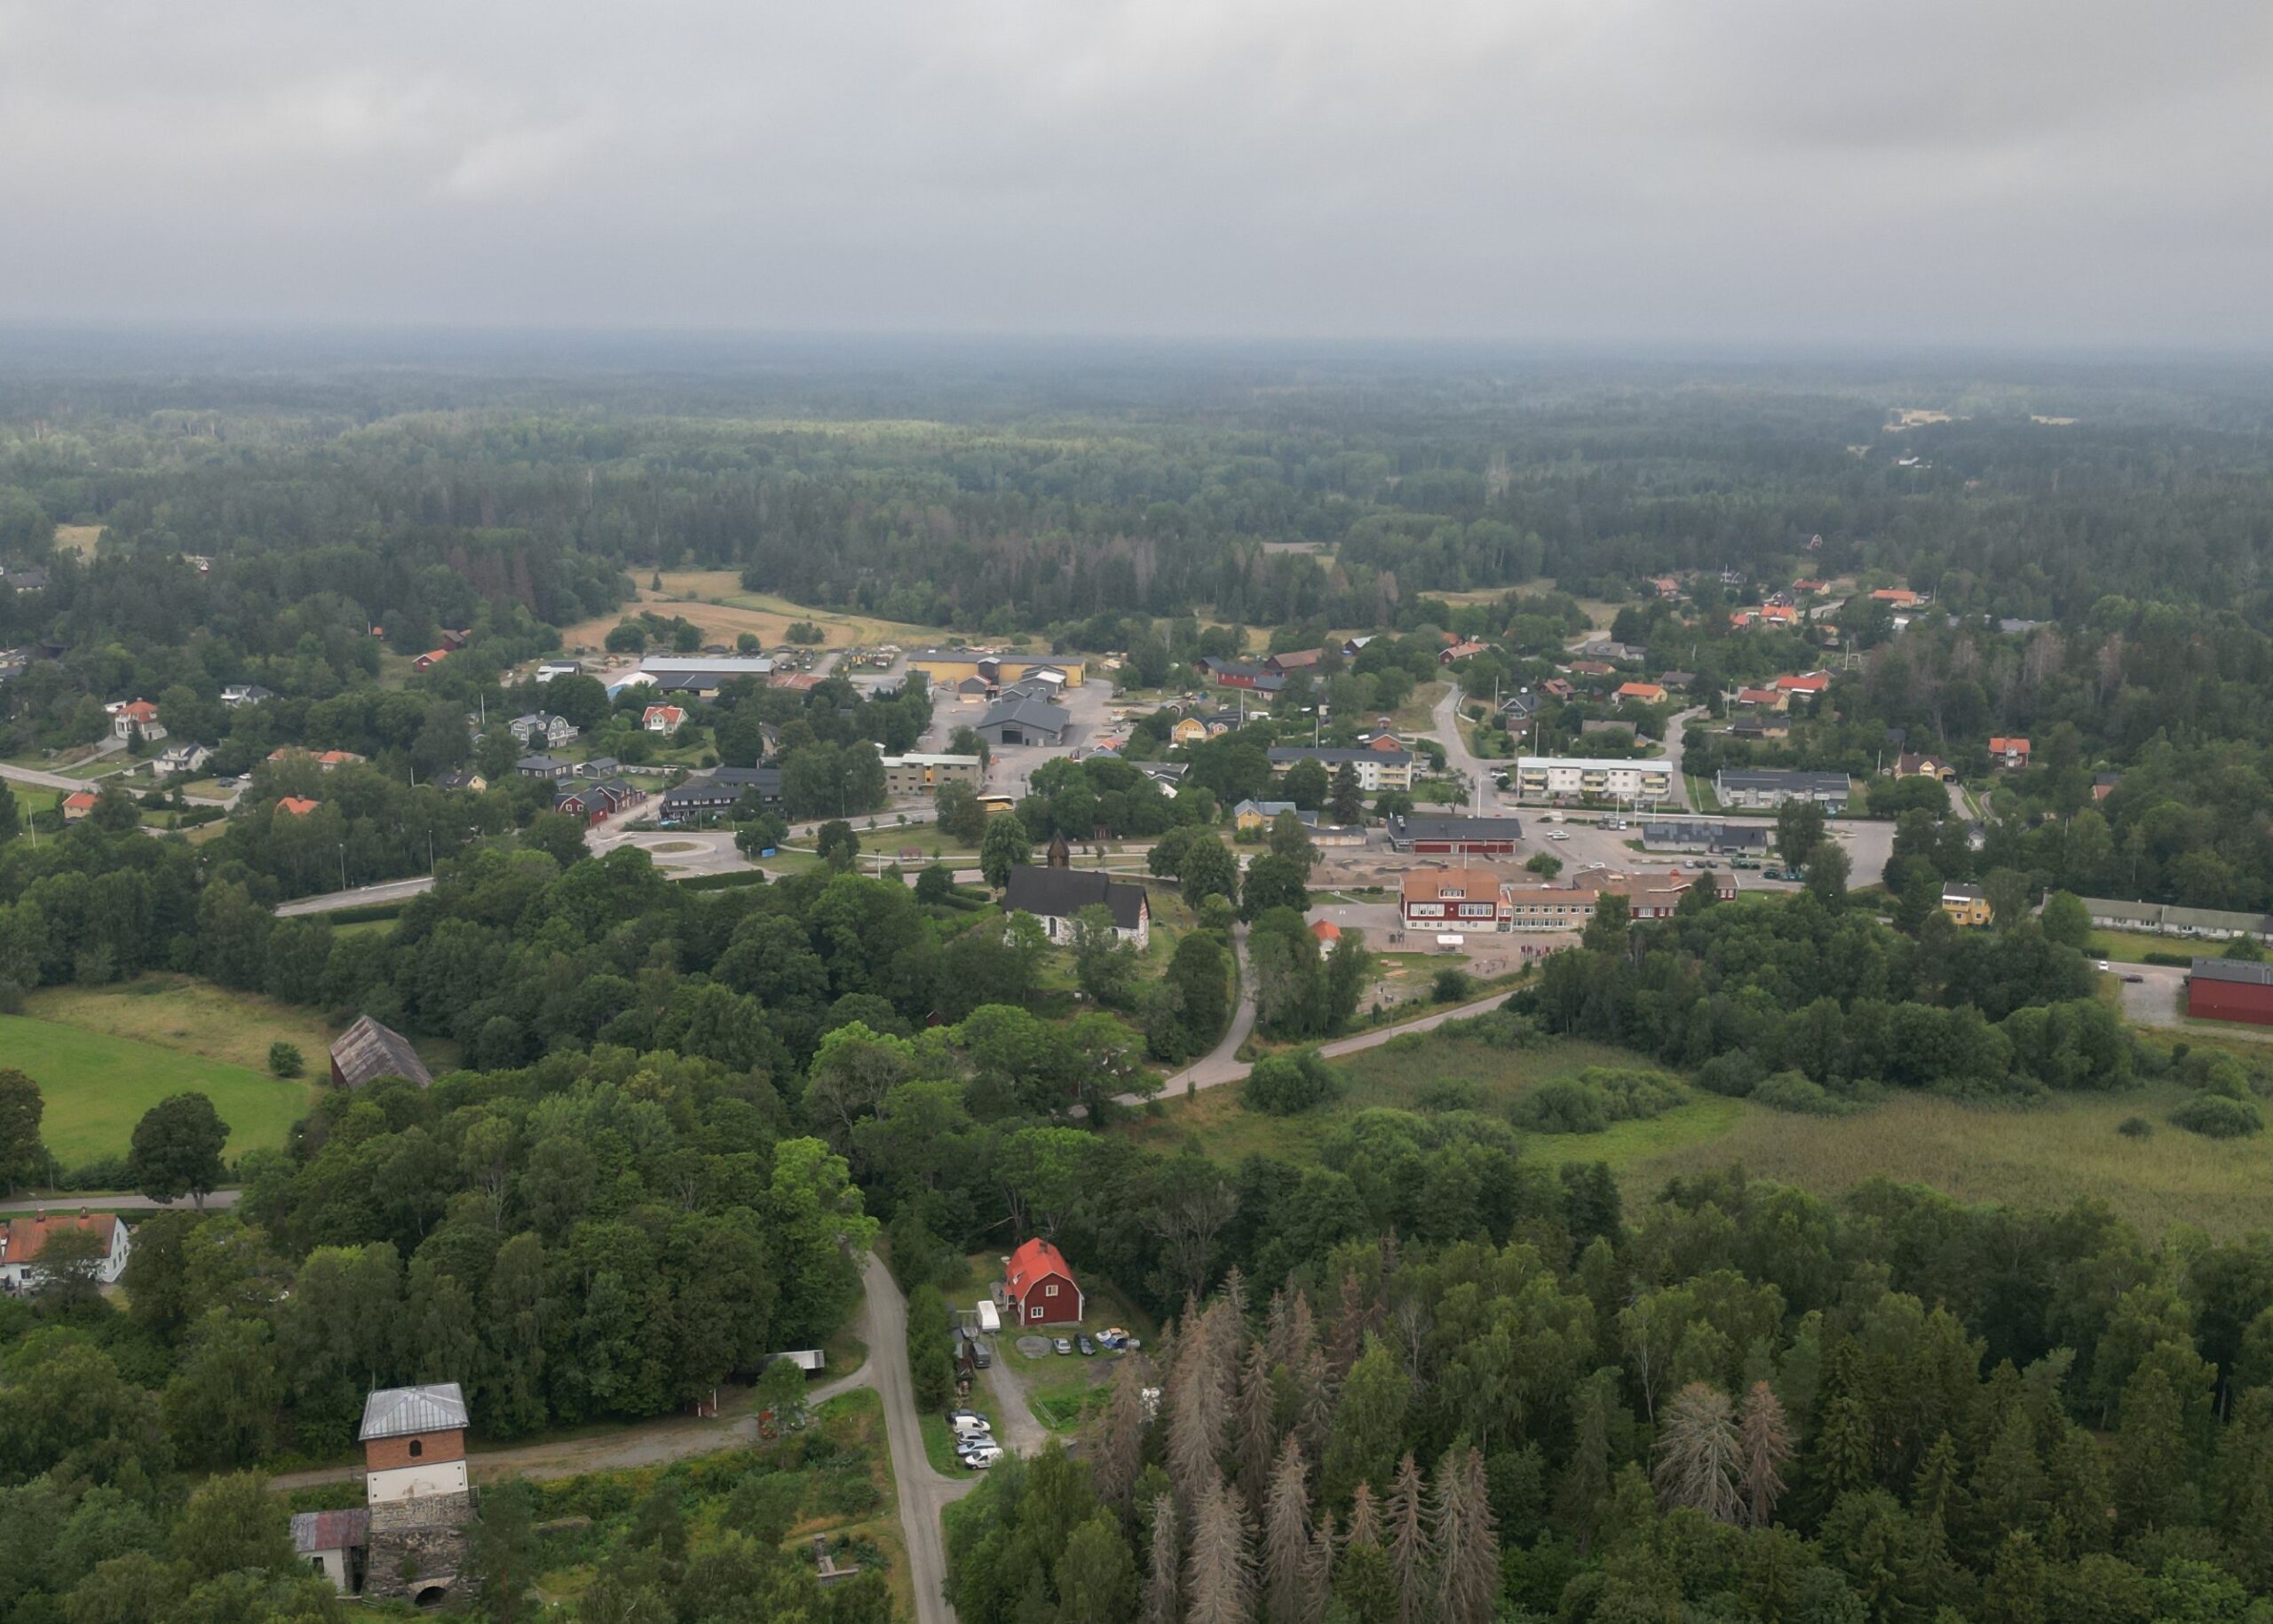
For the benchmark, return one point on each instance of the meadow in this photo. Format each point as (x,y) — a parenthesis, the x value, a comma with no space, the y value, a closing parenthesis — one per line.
(2043,1155)
(96,1086)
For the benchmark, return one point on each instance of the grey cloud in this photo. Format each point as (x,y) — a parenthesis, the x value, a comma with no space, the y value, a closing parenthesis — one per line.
(1784,170)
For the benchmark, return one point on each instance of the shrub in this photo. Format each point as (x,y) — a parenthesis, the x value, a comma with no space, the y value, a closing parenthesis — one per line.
(2135,1128)
(1448,1094)
(1735,1074)
(1797,1093)
(285,1060)
(2214,1116)
(1452,985)
(1285,1084)
(1594,1098)
(1564,1105)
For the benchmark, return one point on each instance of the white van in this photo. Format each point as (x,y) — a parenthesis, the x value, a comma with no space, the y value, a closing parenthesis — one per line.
(969,1423)
(990,1319)
(979,1460)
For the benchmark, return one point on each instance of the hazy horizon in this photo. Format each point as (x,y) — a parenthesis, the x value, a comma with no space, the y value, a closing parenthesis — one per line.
(1577,176)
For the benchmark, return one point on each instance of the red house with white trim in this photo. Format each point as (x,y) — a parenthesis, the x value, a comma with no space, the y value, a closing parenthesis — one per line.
(1038,1287)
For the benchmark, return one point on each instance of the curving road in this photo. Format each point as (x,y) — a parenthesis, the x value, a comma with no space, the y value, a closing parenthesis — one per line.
(1221,1063)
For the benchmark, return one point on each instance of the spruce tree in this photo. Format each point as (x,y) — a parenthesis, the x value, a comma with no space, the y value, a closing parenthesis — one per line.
(1220,1572)
(1765,1448)
(1411,1555)
(1287,1544)
(1468,1553)
(1698,1455)
(1117,1440)
(2149,1454)
(1257,1433)
(1199,1406)
(1164,1569)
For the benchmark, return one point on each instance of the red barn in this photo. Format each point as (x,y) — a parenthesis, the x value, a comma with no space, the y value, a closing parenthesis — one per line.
(1038,1286)
(2231,989)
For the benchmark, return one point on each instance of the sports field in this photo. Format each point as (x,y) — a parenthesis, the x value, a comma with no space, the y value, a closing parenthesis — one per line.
(97,1087)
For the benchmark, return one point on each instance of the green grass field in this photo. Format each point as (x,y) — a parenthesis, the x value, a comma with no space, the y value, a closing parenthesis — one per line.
(2039,1156)
(96,1086)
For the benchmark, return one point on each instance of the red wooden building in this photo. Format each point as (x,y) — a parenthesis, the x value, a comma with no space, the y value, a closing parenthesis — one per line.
(1038,1287)
(2231,989)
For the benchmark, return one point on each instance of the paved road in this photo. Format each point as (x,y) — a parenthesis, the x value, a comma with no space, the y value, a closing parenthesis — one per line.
(1677,727)
(923,1493)
(1219,1067)
(70,1200)
(332,901)
(1482,791)
(44,781)
(1220,1063)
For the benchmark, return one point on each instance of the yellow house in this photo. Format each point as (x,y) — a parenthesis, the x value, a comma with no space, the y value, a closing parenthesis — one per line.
(1968,905)
(1191,729)
(1251,816)
(1910,764)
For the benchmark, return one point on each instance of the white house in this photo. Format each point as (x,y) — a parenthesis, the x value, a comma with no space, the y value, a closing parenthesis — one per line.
(1055,895)
(134,713)
(24,1238)
(244,694)
(541,729)
(176,760)
(662,719)
(1538,776)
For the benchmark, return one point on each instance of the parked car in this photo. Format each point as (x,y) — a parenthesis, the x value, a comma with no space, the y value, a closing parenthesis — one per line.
(1556,835)
(981,1355)
(1061,1344)
(2134,977)
(965,1447)
(1087,1347)
(966,1422)
(979,1460)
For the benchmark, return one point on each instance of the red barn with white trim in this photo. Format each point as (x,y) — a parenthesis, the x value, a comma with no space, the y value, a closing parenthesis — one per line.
(1039,1289)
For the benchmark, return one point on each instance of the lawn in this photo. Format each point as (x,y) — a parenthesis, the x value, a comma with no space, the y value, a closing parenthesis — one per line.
(183,1012)
(96,1086)
(2132,947)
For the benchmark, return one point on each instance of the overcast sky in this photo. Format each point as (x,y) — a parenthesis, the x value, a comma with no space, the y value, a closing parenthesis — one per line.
(1970,172)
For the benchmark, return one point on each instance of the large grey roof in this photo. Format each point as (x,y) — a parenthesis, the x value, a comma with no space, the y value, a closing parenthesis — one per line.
(1027,711)
(397,1412)
(1780,777)
(1060,893)
(2166,916)
(367,1051)
(2234,970)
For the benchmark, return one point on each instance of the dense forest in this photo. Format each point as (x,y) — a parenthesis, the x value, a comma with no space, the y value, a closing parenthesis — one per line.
(1413,1368)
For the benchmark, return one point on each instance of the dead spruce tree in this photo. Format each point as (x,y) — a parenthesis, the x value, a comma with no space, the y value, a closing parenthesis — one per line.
(1468,1551)
(1220,1572)
(1288,1566)
(1764,1448)
(1164,1574)
(1698,1453)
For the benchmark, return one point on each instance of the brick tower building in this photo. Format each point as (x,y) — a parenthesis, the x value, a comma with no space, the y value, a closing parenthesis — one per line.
(415,1488)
